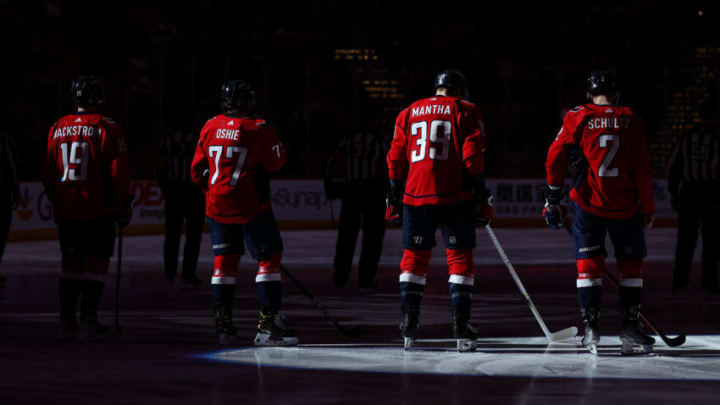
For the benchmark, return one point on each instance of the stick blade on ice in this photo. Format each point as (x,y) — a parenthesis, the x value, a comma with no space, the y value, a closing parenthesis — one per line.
(564,334)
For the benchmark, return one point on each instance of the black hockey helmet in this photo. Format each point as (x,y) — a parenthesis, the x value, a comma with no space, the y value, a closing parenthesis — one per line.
(237,97)
(453,80)
(86,91)
(601,82)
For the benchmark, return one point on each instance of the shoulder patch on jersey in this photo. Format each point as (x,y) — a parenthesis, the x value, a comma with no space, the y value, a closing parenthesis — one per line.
(577,108)
(260,123)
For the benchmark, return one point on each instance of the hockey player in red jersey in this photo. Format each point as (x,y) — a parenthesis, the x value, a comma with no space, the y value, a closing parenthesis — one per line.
(87,179)
(436,167)
(235,152)
(612,193)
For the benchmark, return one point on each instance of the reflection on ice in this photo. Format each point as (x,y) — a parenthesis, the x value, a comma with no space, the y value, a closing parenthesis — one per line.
(521,356)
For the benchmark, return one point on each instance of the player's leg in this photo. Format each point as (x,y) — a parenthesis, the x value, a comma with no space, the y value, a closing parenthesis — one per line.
(98,249)
(348,228)
(194,224)
(373,218)
(628,238)
(70,235)
(265,245)
(687,234)
(459,234)
(173,230)
(419,225)
(228,247)
(589,241)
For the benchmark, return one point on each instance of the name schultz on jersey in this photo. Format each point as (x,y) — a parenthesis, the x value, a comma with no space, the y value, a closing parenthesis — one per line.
(609,122)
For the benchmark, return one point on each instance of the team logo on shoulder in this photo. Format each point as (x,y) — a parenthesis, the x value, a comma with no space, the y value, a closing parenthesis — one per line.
(609,111)
(260,123)
(232,122)
(78,120)
(576,109)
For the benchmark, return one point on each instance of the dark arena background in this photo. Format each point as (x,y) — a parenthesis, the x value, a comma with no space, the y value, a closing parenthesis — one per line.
(323,70)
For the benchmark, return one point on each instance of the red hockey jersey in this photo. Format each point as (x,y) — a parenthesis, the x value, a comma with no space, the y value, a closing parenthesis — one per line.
(230,163)
(618,180)
(87,169)
(438,141)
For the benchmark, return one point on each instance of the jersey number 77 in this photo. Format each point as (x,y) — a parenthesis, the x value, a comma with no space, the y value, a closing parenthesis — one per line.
(216,153)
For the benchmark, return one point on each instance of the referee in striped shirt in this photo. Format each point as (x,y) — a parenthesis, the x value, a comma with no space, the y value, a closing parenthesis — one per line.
(357,174)
(184,201)
(694,186)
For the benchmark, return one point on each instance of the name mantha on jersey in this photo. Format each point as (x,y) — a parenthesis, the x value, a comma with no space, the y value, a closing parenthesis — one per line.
(231,162)
(86,173)
(438,142)
(618,179)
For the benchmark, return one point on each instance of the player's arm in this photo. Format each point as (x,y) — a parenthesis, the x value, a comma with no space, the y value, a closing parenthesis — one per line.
(556,169)
(473,155)
(642,174)
(200,167)
(117,159)
(397,170)
(270,150)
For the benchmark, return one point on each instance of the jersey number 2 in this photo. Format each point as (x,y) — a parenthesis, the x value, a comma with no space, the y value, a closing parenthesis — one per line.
(217,152)
(440,132)
(605,170)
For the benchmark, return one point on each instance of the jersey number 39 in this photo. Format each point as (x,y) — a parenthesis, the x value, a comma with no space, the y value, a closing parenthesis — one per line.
(440,132)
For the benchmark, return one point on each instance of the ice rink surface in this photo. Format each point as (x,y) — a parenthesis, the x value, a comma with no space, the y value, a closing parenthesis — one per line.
(166,352)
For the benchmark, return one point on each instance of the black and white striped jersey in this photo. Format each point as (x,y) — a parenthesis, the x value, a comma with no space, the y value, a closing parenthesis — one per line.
(177,151)
(696,158)
(360,157)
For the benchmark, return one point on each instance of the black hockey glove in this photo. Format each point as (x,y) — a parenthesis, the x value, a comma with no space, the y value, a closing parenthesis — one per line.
(393,202)
(554,213)
(482,202)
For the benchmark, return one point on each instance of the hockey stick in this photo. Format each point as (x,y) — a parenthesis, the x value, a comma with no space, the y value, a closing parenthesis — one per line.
(117,280)
(551,336)
(347,331)
(671,342)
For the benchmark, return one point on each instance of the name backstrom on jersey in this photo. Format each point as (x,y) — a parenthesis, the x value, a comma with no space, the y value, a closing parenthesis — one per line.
(431,109)
(609,122)
(74,130)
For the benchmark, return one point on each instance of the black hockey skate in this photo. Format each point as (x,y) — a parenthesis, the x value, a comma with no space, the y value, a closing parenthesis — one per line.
(465,334)
(91,328)
(273,332)
(223,327)
(634,341)
(68,330)
(409,326)
(591,319)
